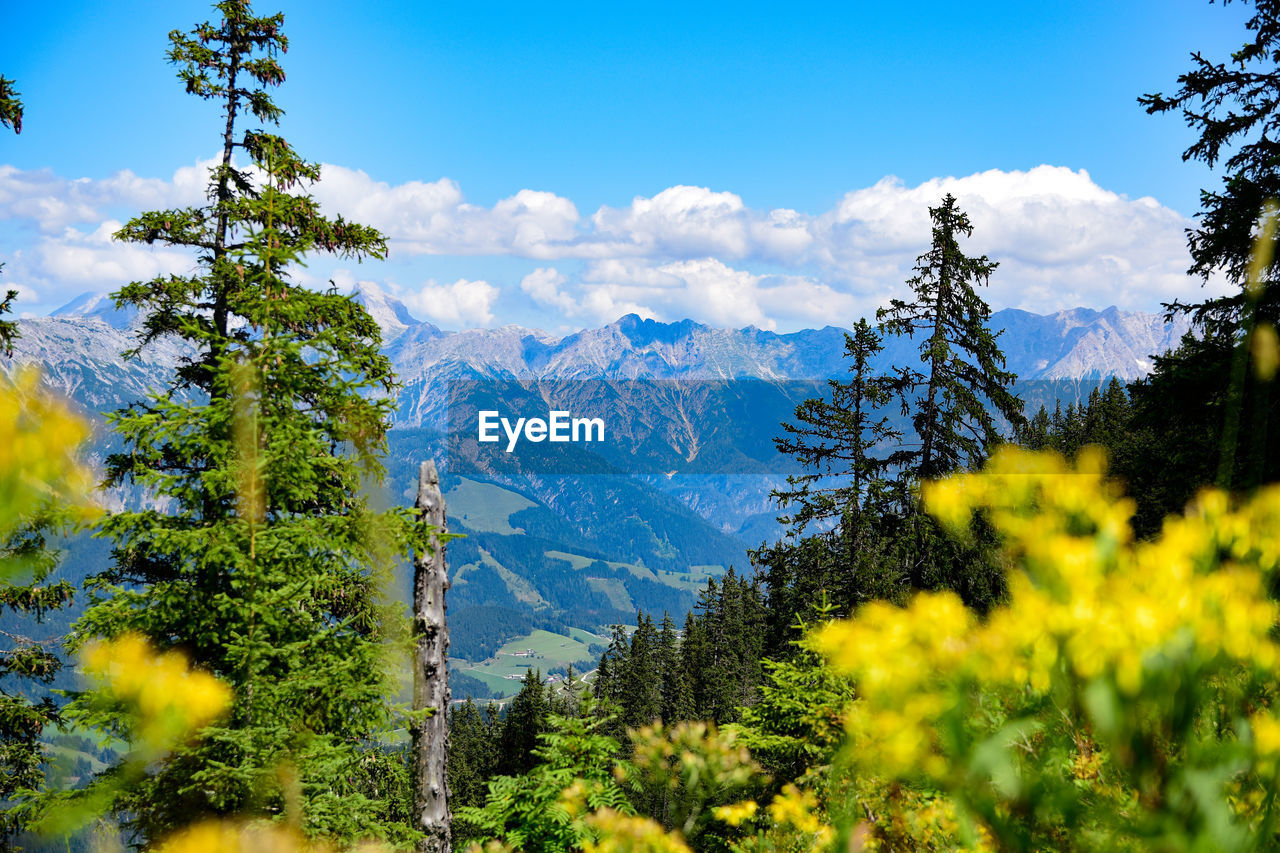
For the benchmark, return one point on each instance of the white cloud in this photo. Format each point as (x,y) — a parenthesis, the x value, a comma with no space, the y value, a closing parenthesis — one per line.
(462,304)
(543,286)
(714,293)
(59,267)
(53,203)
(432,218)
(1061,241)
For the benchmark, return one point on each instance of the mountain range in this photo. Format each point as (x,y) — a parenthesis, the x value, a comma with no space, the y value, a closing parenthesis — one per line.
(581,536)
(79,348)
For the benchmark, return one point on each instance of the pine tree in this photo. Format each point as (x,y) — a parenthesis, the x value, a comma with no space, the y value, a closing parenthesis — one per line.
(694,657)
(473,755)
(964,385)
(1204,415)
(723,647)
(677,701)
(611,670)
(526,718)
(854,463)
(641,681)
(258,555)
(1034,435)
(836,440)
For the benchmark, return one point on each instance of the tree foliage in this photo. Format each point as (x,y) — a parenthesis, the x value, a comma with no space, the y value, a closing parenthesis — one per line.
(257,554)
(1232,105)
(964,384)
(849,449)
(10,105)
(545,808)
(1208,418)
(44,491)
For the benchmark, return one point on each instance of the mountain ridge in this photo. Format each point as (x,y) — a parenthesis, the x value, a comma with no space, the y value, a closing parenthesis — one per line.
(79,347)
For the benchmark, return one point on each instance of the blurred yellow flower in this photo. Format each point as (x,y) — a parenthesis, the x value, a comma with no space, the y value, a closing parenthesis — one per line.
(39,442)
(735,814)
(170,699)
(621,833)
(229,836)
(1266,351)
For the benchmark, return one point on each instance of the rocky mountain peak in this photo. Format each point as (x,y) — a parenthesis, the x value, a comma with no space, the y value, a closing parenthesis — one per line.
(391,315)
(98,306)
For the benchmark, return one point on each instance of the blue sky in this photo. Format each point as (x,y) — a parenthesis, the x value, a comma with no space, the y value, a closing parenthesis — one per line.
(737,163)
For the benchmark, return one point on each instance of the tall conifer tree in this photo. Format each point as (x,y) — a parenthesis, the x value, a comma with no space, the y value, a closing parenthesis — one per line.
(1203,414)
(846,443)
(526,719)
(964,383)
(257,555)
(677,701)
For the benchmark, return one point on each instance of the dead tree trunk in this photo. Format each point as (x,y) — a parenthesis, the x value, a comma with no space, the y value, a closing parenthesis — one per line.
(430,674)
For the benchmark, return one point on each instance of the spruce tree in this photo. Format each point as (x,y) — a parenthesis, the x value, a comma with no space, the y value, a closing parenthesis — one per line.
(256,552)
(723,647)
(611,669)
(641,681)
(1203,415)
(677,701)
(526,718)
(846,444)
(473,754)
(964,384)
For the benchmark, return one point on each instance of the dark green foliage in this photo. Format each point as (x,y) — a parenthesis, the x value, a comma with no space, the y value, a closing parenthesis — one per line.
(10,105)
(796,729)
(881,545)
(265,562)
(640,681)
(964,384)
(484,628)
(26,561)
(528,812)
(611,676)
(8,328)
(676,695)
(1103,420)
(1202,417)
(473,753)
(723,647)
(1177,437)
(526,718)
(706,674)
(468,686)
(1233,107)
(845,444)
